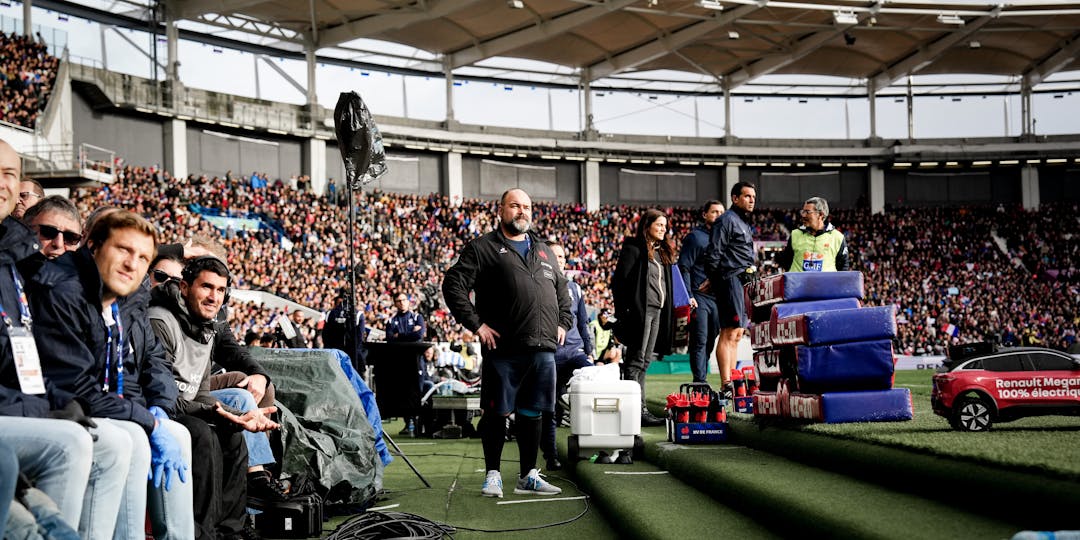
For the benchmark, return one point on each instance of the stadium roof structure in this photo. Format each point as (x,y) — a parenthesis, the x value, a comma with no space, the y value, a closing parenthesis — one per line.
(731,42)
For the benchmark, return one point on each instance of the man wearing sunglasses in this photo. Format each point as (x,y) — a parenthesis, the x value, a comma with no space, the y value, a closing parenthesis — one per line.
(57,223)
(30,193)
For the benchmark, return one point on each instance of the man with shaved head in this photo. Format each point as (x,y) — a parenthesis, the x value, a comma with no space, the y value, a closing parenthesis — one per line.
(521,314)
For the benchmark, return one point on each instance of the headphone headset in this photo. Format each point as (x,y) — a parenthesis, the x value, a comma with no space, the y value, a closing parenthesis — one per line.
(198,265)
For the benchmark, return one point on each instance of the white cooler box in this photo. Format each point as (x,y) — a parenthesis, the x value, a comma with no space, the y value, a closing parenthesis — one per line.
(604,415)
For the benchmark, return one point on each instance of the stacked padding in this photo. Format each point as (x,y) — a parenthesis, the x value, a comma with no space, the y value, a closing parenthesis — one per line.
(820,356)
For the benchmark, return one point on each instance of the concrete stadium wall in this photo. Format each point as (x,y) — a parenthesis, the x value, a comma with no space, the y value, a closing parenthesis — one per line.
(844,188)
(406,172)
(138,140)
(214,152)
(936,187)
(488,178)
(658,186)
(141,140)
(1059,184)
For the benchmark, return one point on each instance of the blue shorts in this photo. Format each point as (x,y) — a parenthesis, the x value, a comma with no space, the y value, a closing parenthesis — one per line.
(731,304)
(523,380)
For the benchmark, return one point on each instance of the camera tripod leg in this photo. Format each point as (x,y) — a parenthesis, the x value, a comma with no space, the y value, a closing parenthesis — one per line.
(406,458)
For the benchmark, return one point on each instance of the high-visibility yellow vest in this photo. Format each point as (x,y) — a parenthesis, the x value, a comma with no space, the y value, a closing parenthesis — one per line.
(815,253)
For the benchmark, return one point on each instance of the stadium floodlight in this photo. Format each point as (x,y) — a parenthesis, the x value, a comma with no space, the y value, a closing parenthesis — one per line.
(901,165)
(928,164)
(710,4)
(982,163)
(641,161)
(845,16)
(715,163)
(950,18)
(515,4)
(832,164)
(1055,161)
(1034,161)
(689,162)
(1009,162)
(575,158)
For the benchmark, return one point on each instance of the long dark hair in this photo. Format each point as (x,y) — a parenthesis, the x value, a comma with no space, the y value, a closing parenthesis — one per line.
(667,250)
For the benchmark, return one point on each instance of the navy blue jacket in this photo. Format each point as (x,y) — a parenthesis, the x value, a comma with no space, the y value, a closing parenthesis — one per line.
(692,257)
(578,338)
(400,327)
(18,243)
(148,376)
(731,245)
(65,297)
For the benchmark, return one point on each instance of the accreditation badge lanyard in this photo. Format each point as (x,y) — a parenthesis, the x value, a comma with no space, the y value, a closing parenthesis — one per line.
(115,349)
(23,348)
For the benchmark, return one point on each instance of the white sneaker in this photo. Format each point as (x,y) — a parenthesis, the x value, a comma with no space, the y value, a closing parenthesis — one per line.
(532,484)
(492,485)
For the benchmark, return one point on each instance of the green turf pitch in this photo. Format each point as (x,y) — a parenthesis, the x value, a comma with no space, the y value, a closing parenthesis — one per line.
(455,470)
(1046,445)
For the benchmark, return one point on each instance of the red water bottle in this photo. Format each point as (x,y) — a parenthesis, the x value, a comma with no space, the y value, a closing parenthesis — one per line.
(751,379)
(738,385)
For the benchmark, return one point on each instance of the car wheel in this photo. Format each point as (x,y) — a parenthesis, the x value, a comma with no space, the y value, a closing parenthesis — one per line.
(972,414)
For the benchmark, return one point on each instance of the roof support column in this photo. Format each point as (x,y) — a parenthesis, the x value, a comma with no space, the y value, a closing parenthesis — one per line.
(910,112)
(1029,187)
(448,72)
(1026,121)
(28,20)
(871,94)
(314,163)
(877,189)
(175,138)
(590,172)
(455,189)
(172,36)
(586,95)
(727,115)
(731,177)
(309,58)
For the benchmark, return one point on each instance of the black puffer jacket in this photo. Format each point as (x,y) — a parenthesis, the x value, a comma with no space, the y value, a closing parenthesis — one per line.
(524,300)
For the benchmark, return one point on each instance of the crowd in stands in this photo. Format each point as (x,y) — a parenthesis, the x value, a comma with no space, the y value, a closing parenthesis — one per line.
(27,75)
(939,266)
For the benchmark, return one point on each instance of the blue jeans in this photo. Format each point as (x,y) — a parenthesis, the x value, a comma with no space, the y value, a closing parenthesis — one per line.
(704,329)
(258,444)
(38,517)
(172,514)
(56,455)
(9,473)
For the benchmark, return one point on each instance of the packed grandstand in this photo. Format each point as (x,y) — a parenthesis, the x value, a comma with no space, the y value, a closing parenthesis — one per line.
(999,274)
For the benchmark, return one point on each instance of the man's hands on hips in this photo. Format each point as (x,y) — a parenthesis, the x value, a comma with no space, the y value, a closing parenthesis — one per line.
(488,335)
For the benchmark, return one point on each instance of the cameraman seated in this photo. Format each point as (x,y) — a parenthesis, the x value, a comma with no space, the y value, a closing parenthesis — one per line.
(183,314)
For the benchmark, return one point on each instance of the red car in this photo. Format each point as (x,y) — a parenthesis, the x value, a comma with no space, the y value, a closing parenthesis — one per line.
(984,385)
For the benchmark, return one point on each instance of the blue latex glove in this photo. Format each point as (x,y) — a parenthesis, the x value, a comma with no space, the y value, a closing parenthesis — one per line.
(159,414)
(165,457)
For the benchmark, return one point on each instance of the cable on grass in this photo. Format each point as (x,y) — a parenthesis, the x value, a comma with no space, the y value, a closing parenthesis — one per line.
(380,525)
(537,527)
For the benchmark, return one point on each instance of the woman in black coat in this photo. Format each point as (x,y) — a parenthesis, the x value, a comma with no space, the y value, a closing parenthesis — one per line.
(641,288)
